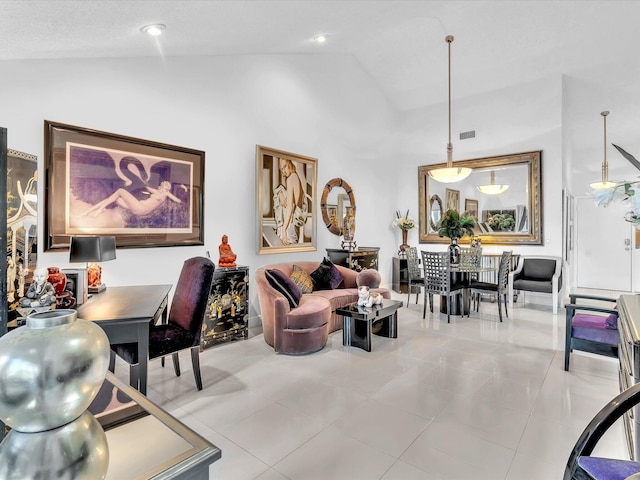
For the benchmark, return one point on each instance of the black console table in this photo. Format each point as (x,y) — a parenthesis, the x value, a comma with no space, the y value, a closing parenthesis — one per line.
(357,259)
(227,308)
(400,275)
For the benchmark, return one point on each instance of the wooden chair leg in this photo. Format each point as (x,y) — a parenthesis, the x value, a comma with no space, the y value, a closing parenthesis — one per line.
(195,360)
(409,295)
(176,363)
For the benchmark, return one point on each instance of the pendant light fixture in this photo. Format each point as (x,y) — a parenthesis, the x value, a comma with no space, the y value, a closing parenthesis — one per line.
(605,183)
(492,188)
(449,174)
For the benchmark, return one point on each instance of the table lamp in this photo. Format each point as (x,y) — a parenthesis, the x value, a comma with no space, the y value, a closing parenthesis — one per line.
(91,250)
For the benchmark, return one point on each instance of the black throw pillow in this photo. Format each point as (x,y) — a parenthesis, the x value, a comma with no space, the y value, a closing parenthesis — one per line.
(326,276)
(283,284)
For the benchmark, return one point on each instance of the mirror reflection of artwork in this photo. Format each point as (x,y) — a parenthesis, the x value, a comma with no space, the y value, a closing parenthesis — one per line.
(452,201)
(22,217)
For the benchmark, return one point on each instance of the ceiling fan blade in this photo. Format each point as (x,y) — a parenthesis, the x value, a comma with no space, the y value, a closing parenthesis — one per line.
(628,156)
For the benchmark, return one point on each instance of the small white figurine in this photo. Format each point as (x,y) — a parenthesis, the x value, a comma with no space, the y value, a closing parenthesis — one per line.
(367,298)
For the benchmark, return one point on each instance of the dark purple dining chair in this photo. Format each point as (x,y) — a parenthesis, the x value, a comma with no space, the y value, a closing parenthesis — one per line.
(184,324)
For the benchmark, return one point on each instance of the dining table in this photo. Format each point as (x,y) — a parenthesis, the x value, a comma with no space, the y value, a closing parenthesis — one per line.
(461,304)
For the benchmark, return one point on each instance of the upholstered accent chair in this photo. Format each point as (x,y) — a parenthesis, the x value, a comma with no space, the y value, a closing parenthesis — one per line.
(500,288)
(415,279)
(539,274)
(184,324)
(581,465)
(592,326)
(437,280)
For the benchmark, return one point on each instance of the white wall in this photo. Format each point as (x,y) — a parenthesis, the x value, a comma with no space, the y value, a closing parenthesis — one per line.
(320,106)
(511,120)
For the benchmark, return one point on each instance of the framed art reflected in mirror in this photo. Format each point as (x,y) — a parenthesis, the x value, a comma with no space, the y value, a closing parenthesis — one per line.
(522,199)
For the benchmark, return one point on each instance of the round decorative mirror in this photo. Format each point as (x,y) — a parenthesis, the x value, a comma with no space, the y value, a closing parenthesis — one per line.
(336,204)
(435,204)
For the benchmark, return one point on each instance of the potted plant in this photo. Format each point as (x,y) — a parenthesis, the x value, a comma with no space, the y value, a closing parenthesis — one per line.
(454,226)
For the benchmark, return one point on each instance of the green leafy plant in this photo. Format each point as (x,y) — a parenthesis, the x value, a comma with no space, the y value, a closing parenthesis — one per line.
(501,222)
(454,225)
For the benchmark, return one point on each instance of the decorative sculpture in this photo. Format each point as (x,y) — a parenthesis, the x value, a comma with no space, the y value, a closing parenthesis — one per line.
(227,257)
(367,298)
(40,293)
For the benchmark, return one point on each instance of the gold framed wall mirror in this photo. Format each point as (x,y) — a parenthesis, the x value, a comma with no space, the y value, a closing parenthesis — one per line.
(334,204)
(512,217)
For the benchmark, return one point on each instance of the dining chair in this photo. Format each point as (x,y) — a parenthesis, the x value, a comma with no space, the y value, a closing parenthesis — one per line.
(591,326)
(415,279)
(470,259)
(183,327)
(581,465)
(437,280)
(500,289)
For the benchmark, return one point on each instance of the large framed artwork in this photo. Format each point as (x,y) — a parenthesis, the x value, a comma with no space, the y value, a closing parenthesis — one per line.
(146,194)
(285,201)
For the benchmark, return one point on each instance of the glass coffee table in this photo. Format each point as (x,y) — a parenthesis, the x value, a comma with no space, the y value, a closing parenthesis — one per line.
(360,322)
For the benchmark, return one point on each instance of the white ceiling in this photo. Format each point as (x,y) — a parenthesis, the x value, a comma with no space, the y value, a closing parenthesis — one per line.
(399,42)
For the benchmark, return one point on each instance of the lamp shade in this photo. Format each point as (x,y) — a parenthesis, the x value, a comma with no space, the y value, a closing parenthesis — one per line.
(92,249)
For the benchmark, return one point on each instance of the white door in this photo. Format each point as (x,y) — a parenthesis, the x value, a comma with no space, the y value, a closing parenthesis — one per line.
(603,246)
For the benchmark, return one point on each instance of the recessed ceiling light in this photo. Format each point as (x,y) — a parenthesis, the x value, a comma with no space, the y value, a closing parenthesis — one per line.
(153,30)
(321,38)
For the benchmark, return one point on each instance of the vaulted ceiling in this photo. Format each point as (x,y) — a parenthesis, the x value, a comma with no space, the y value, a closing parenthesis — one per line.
(400,43)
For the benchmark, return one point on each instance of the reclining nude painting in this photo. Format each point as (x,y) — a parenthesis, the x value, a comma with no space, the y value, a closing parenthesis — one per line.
(118,192)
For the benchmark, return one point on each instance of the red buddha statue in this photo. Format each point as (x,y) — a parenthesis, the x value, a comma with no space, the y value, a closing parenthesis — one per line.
(227,257)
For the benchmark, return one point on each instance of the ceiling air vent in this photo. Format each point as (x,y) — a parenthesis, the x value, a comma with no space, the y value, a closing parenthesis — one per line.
(469,134)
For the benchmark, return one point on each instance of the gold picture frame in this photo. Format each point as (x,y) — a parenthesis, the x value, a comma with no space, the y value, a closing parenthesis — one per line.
(283,178)
(522,171)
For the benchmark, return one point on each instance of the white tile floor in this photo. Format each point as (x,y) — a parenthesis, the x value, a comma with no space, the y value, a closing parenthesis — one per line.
(474,399)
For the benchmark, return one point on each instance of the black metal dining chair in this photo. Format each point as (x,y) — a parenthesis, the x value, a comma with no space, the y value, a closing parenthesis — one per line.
(500,289)
(415,279)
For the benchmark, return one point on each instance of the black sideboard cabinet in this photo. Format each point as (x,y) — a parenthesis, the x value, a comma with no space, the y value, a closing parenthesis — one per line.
(227,316)
(357,259)
(400,275)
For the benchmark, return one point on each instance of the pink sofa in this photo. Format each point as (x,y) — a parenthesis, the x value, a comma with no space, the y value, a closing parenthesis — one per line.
(305,328)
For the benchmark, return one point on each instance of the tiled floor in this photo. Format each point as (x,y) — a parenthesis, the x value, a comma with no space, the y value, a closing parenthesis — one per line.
(474,399)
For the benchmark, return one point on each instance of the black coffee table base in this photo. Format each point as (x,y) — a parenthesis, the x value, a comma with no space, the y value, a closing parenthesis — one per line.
(360,322)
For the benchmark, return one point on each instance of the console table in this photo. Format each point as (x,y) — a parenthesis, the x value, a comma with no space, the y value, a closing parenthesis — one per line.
(146,442)
(357,259)
(400,275)
(629,358)
(227,313)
